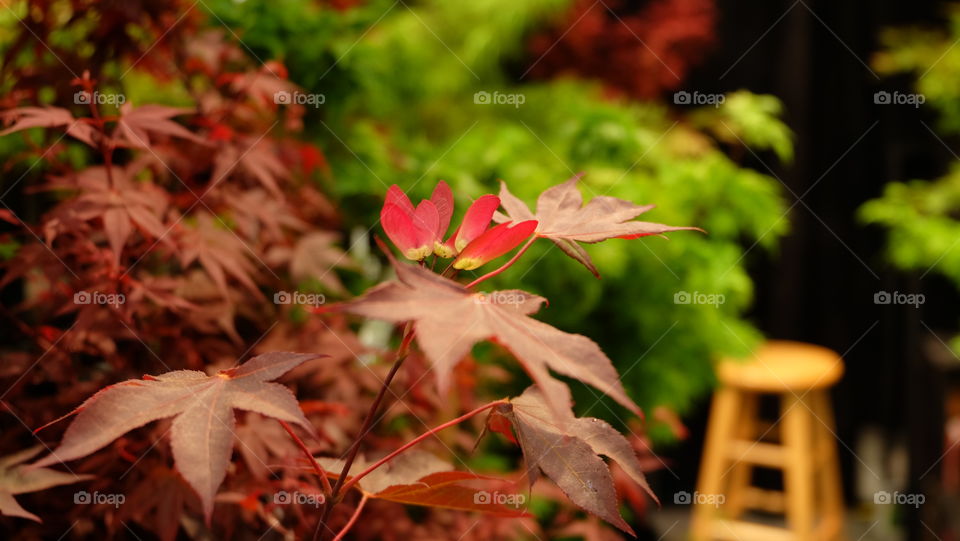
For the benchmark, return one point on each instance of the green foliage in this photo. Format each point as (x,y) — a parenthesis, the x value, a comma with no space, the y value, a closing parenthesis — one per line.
(400,109)
(923,217)
(931,56)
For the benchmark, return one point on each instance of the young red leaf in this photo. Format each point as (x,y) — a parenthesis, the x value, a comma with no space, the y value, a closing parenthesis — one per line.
(449,319)
(475,221)
(202,432)
(15,478)
(494,243)
(415,231)
(566,448)
(419,478)
(442,198)
(566,221)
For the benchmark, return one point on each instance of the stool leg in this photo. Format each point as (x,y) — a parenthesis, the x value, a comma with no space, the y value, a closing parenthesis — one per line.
(723,415)
(741,472)
(829,471)
(798,471)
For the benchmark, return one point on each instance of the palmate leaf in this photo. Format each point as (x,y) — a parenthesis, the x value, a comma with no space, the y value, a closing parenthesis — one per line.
(15,478)
(202,432)
(419,478)
(449,319)
(23,118)
(567,449)
(564,219)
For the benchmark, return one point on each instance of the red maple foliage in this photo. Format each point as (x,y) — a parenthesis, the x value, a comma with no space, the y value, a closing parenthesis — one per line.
(181,241)
(637,49)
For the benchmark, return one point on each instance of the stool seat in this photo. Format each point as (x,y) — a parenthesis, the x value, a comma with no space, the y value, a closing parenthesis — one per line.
(782,365)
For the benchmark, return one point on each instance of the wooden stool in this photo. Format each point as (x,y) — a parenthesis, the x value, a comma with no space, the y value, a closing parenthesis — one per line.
(737,441)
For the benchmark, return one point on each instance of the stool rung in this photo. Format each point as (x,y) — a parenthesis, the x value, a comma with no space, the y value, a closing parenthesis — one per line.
(737,530)
(764,454)
(771,501)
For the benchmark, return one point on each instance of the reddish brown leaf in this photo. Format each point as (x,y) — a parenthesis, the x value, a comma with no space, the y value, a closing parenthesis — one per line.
(47,117)
(202,431)
(449,319)
(136,125)
(15,478)
(419,478)
(566,448)
(566,221)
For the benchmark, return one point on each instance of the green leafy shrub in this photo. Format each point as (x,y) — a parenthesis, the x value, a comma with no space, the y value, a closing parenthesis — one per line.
(400,86)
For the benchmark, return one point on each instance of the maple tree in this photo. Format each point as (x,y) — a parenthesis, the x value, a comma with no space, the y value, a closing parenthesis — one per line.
(191,216)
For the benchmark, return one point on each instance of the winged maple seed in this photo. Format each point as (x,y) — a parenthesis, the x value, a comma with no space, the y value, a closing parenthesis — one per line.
(419,478)
(566,221)
(418,231)
(449,319)
(202,433)
(15,478)
(566,448)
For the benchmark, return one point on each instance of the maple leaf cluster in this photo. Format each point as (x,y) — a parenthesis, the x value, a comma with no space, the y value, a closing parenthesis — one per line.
(160,252)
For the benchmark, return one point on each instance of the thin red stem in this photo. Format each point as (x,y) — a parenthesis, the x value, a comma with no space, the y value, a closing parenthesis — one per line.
(506,265)
(327,489)
(355,479)
(402,351)
(353,519)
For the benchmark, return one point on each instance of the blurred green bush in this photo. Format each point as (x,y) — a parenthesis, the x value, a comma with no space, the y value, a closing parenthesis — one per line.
(400,86)
(923,216)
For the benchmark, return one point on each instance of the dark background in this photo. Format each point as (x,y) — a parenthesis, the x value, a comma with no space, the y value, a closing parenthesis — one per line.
(819,287)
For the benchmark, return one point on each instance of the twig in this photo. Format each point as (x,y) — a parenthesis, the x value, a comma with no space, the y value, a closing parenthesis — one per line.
(327,489)
(353,519)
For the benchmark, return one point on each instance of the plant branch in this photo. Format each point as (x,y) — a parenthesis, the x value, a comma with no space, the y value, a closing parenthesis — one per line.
(402,352)
(506,265)
(353,519)
(327,489)
(356,478)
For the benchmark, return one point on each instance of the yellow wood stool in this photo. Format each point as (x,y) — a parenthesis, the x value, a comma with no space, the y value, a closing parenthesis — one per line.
(737,441)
